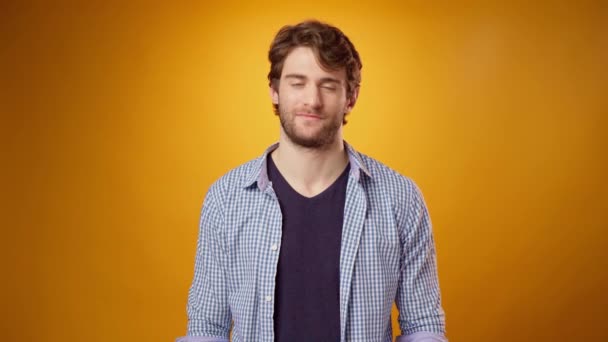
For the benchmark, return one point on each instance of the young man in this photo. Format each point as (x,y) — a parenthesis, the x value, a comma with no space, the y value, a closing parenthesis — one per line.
(314,241)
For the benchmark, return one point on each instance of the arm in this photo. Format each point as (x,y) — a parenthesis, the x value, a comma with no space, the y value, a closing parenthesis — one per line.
(209,317)
(418,299)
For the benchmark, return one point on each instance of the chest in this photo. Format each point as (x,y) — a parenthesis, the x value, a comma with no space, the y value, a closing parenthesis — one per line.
(254,224)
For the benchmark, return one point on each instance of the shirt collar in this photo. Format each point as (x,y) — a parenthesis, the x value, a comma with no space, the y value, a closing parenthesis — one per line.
(259,171)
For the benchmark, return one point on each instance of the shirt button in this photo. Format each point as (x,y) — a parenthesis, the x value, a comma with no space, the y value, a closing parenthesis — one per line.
(274,247)
(268,298)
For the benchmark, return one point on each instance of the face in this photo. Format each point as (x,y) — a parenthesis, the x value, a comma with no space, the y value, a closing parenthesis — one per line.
(312,101)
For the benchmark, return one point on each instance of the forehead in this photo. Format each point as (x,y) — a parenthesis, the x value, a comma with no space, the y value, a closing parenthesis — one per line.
(301,60)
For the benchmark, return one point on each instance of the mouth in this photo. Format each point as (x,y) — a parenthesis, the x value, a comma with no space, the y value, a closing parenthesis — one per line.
(309,115)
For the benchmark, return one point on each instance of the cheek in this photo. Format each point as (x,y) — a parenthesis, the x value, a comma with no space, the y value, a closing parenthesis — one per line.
(337,104)
(288,98)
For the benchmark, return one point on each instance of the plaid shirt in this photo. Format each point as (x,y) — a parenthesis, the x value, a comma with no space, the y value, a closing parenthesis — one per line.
(387,255)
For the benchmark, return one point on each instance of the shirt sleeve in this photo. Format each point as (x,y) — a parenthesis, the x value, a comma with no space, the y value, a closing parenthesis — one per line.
(418,299)
(200,339)
(209,317)
(423,336)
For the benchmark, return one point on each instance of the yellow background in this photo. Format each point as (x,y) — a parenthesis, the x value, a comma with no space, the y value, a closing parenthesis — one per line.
(116,118)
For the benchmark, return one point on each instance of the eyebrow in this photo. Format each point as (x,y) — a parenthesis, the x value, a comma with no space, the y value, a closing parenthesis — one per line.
(323,80)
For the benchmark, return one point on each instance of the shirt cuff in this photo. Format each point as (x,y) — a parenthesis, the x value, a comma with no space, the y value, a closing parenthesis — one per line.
(200,339)
(422,336)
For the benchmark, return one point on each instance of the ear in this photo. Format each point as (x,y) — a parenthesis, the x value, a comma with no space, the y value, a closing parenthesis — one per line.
(350,102)
(274,95)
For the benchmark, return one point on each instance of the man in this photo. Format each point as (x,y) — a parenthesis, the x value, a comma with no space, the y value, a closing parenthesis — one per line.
(314,241)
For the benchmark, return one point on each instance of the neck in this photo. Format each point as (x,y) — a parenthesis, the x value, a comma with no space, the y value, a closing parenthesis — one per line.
(310,170)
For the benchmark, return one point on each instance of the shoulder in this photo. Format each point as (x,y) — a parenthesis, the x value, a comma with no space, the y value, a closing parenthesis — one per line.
(387,178)
(390,187)
(234,180)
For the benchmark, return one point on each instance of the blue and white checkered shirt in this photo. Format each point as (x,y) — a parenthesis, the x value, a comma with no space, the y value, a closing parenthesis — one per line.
(387,255)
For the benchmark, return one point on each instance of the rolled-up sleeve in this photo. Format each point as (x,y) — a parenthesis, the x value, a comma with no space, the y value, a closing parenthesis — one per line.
(420,337)
(200,339)
(418,299)
(209,317)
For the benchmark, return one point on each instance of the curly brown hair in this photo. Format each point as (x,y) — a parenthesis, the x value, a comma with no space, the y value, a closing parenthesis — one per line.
(331,47)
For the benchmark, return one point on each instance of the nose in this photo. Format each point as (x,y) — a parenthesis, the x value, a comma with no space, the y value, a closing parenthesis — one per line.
(313,97)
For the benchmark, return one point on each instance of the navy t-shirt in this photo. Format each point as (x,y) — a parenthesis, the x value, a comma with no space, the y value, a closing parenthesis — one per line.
(307,294)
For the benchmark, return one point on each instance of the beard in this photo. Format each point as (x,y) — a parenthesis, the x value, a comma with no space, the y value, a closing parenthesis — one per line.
(322,137)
